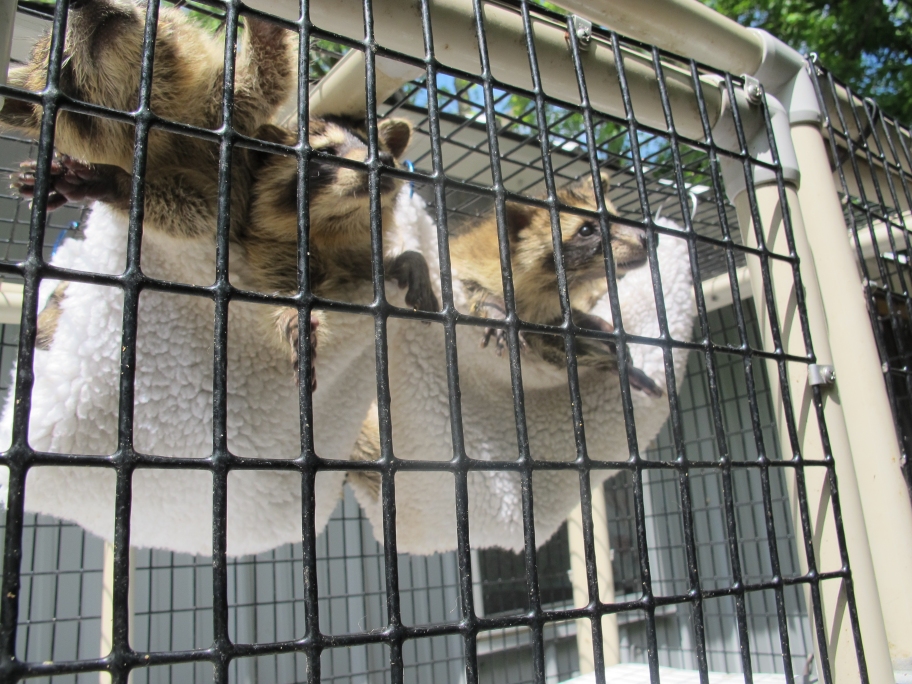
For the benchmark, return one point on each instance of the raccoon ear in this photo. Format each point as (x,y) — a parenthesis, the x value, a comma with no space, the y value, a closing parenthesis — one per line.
(605,181)
(395,134)
(518,217)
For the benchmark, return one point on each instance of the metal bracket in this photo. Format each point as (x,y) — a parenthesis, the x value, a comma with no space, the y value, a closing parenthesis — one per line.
(583,29)
(821,375)
(752,89)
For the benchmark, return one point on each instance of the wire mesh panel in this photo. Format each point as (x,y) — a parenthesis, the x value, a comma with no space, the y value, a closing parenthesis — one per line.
(627,145)
(713,556)
(870,155)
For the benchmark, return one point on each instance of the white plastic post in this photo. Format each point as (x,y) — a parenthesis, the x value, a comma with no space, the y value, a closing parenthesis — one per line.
(861,391)
(605,573)
(841,645)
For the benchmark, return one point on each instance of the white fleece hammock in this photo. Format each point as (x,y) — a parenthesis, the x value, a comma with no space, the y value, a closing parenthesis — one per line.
(425,502)
(75,402)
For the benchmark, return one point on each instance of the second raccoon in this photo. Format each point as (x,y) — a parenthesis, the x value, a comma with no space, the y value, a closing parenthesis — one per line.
(340,222)
(477,268)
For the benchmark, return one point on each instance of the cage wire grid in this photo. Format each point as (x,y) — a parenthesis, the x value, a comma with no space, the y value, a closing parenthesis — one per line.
(223,651)
(172,602)
(864,139)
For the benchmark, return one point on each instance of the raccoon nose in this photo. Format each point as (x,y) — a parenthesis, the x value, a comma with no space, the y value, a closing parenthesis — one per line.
(387,159)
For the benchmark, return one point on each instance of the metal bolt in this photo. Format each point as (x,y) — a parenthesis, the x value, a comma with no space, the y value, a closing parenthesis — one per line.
(583,30)
(819,374)
(752,89)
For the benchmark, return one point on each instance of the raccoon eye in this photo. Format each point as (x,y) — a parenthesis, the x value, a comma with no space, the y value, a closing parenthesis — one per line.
(587,229)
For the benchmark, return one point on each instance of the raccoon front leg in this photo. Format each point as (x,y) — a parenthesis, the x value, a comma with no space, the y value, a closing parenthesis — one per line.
(410,270)
(287,325)
(637,378)
(172,205)
(73,181)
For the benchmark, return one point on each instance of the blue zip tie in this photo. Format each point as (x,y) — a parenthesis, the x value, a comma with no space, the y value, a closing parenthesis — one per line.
(411,168)
(61,236)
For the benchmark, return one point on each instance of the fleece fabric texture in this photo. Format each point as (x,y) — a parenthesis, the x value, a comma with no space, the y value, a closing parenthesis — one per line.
(425,501)
(76,395)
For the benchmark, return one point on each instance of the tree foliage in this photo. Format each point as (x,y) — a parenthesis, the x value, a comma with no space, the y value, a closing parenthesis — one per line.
(866,43)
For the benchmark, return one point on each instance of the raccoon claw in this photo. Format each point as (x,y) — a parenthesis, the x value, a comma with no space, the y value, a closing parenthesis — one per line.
(73,181)
(637,378)
(640,381)
(288,327)
(500,340)
(493,303)
(24,184)
(420,298)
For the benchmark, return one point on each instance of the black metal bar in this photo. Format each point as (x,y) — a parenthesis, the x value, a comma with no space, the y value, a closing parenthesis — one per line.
(313,638)
(718,424)
(648,600)
(19,452)
(394,631)
(469,623)
(221,458)
(513,346)
(576,401)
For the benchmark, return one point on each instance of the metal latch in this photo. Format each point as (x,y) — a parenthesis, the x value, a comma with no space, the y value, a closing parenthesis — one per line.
(752,89)
(821,375)
(583,30)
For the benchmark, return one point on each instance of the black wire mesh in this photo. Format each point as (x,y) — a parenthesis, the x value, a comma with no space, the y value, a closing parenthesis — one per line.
(712,553)
(870,154)
(476,148)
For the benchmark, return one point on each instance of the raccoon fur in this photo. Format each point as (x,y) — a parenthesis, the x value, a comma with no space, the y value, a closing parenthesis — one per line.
(101,66)
(339,212)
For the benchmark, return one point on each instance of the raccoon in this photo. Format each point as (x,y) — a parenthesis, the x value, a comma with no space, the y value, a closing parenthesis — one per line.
(102,56)
(339,207)
(475,257)
(101,66)
(477,278)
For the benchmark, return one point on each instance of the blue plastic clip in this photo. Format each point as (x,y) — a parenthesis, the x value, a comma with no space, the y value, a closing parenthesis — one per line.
(411,168)
(61,236)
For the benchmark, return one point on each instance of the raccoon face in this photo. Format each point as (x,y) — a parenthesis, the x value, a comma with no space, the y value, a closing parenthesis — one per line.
(581,238)
(101,65)
(343,139)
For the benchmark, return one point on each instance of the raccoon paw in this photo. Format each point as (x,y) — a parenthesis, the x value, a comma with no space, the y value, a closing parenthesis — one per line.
(410,270)
(73,181)
(590,322)
(487,303)
(500,340)
(642,382)
(287,323)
